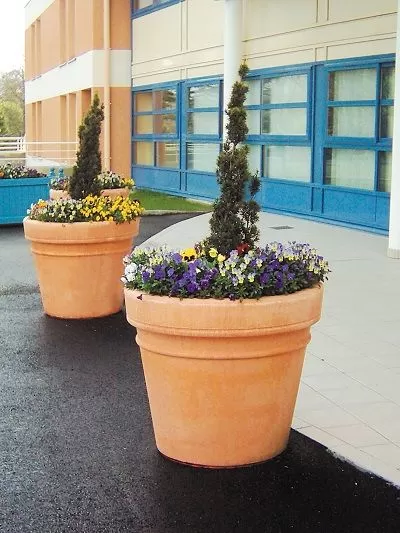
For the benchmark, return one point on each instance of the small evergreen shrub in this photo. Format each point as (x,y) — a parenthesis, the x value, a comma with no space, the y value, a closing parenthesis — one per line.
(234,220)
(88,163)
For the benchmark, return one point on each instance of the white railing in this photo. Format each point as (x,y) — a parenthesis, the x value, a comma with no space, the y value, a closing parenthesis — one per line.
(37,154)
(12,144)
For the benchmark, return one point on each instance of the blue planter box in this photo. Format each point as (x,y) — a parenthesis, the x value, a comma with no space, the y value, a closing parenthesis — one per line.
(17,195)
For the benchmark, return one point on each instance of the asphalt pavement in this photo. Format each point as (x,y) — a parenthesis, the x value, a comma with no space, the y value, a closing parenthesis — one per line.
(77,452)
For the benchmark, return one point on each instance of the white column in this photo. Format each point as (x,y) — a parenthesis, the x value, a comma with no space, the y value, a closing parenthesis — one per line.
(233,47)
(394,222)
(106,99)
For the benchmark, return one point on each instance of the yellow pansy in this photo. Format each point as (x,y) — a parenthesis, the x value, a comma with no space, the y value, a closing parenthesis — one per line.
(189,254)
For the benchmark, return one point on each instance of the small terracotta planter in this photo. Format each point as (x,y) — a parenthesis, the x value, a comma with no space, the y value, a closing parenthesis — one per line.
(222,377)
(56,194)
(116,192)
(79,265)
(63,195)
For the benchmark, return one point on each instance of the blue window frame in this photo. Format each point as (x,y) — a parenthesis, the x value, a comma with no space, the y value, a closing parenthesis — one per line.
(155,126)
(279,117)
(320,136)
(202,125)
(358,125)
(143,7)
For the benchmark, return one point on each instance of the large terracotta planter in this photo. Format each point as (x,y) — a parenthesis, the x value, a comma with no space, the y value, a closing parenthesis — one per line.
(222,377)
(113,193)
(79,265)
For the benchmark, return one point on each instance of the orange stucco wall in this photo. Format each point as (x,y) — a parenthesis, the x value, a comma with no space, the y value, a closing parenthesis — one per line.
(69,28)
(57,120)
(49,46)
(121,130)
(120,23)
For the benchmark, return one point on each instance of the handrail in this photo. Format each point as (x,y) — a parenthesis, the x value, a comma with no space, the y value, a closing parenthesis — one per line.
(17,150)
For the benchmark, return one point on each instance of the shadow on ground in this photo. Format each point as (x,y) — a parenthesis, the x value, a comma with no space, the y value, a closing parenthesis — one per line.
(77,452)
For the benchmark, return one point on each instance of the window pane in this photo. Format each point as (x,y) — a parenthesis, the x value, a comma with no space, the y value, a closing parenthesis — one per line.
(144,124)
(143,101)
(351,121)
(284,121)
(253,122)
(165,99)
(350,168)
(387,87)
(385,171)
(285,90)
(140,4)
(254,94)
(202,156)
(204,123)
(204,96)
(254,158)
(386,122)
(167,154)
(143,153)
(357,84)
(288,162)
(165,123)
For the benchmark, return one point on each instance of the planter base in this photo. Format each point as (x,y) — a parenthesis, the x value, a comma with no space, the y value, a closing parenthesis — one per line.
(210,467)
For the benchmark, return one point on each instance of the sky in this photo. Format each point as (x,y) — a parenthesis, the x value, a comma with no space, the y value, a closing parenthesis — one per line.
(12,34)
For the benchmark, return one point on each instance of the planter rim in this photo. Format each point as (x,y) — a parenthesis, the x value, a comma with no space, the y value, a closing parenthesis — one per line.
(72,232)
(245,318)
(105,223)
(14,182)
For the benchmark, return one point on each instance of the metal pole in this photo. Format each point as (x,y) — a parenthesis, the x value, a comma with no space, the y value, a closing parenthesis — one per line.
(107,110)
(233,30)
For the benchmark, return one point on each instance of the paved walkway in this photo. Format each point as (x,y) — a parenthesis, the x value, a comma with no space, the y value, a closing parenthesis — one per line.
(349,398)
(77,450)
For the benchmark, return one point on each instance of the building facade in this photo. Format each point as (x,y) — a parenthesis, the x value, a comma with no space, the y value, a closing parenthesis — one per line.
(75,48)
(320,103)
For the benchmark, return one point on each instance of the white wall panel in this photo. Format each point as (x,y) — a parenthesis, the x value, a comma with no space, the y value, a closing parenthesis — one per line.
(85,72)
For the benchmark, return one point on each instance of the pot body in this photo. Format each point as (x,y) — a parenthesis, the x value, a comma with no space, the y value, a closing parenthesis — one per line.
(79,265)
(222,377)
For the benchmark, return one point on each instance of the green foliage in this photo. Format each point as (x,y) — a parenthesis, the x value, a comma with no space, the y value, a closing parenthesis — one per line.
(12,87)
(235,215)
(12,103)
(88,163)
(152,200)
(2,123)
(13,119)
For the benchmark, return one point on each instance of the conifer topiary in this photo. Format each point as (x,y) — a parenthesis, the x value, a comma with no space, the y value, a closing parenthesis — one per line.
(84,179)
(234,219)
